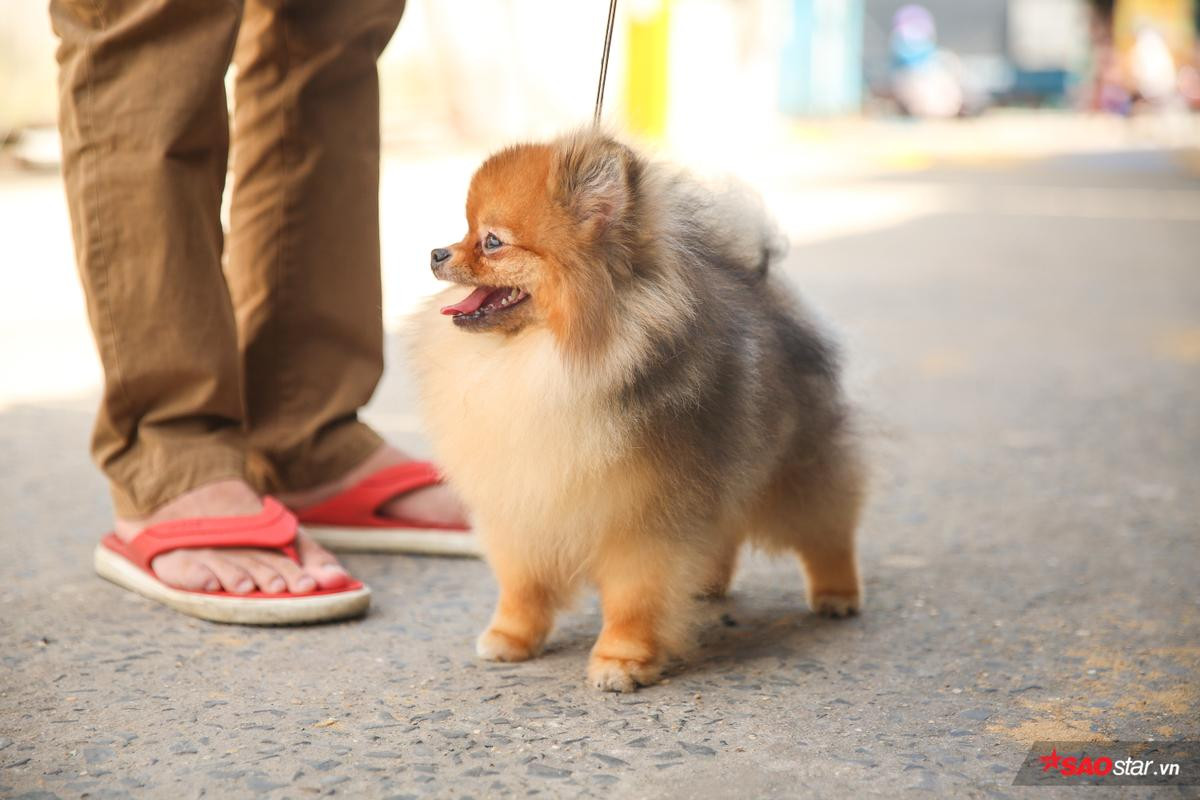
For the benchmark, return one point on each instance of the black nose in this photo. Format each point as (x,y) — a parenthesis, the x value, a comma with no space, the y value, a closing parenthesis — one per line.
(438,256)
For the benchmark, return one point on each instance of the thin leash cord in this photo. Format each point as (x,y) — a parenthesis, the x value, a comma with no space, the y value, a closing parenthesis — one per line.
(612,14)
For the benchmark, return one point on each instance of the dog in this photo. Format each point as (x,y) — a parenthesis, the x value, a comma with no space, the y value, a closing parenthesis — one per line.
(625,395)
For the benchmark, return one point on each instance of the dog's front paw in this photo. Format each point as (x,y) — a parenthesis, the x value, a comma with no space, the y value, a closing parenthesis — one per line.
(621,674)
(836,605)
(497,645)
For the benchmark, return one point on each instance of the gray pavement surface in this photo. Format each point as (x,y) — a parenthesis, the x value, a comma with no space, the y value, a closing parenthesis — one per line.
(1028,362)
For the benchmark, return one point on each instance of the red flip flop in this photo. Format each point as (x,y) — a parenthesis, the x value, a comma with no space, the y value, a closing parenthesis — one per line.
(351,520)
(273,528)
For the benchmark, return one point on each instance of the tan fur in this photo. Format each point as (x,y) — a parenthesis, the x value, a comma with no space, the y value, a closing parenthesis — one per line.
(556,492)
(567,488)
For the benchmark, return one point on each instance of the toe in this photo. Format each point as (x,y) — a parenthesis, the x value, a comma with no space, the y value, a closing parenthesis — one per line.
(197,577)
(320,564)
(266,577)
(298,581)
(329,576)
(200,578)
(182,570)
(233,577)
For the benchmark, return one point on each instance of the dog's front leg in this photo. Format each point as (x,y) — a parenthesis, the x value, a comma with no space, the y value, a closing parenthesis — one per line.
(524,613)
(645,595)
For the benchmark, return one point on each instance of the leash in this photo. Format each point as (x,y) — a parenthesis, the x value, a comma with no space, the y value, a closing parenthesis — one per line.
(612,13)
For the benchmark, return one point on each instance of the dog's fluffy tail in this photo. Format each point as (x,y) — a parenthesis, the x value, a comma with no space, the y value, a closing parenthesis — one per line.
(726,220)
(752,239)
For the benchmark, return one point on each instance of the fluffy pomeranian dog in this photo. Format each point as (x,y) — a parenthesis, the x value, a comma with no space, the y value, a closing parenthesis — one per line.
(624,395)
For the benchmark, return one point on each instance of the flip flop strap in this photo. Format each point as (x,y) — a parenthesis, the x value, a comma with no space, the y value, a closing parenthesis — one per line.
(364,498)
(273,528)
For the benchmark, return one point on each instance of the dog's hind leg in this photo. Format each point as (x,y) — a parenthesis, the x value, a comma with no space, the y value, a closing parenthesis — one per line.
(831,571)
(814,510)
(721,568)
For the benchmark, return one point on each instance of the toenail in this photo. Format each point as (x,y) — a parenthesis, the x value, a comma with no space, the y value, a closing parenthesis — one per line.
(277,585)
(335,568)
(211,585)
(244,586)
(305,584)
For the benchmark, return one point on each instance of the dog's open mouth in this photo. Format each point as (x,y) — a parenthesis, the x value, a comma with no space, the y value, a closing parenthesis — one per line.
(485,301)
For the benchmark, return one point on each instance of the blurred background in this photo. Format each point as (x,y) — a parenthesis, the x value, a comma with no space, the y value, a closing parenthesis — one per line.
(809,100)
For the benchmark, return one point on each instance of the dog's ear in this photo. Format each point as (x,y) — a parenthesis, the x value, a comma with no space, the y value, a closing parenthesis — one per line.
(593,179)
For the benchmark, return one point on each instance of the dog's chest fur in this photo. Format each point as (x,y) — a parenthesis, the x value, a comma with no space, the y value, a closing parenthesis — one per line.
(523,441)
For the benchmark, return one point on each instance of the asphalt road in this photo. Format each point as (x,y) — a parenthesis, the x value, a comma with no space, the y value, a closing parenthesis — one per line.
(1027,357)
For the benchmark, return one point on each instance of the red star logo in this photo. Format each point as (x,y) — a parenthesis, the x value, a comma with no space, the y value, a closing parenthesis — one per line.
(1051,761)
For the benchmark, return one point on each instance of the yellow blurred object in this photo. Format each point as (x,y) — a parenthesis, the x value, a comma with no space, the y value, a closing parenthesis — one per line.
(1153,38)
(1172,19)
(646,75)
(906,161)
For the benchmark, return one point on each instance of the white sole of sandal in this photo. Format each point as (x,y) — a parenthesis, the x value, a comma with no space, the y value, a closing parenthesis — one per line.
(430,542)
(235,610)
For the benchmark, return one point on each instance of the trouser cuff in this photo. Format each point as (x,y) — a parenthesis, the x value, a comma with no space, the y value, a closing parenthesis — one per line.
(147,488)
(334,453)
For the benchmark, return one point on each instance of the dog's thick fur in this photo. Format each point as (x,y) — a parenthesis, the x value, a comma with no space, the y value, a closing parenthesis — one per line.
(659,399)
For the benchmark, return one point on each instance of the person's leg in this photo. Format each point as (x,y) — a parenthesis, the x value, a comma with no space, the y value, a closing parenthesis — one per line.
(145,137)
(144,151)
(304,246)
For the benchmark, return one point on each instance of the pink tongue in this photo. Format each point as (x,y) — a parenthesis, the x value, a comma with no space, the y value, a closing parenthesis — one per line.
(470,303)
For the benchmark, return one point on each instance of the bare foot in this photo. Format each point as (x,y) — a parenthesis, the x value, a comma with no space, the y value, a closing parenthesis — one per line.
(436,504)
(234,570)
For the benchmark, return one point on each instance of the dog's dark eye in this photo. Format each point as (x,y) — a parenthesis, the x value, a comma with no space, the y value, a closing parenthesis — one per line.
(491,242)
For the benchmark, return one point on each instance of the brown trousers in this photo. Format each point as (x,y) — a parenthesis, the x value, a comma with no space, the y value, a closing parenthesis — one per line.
(256,368)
